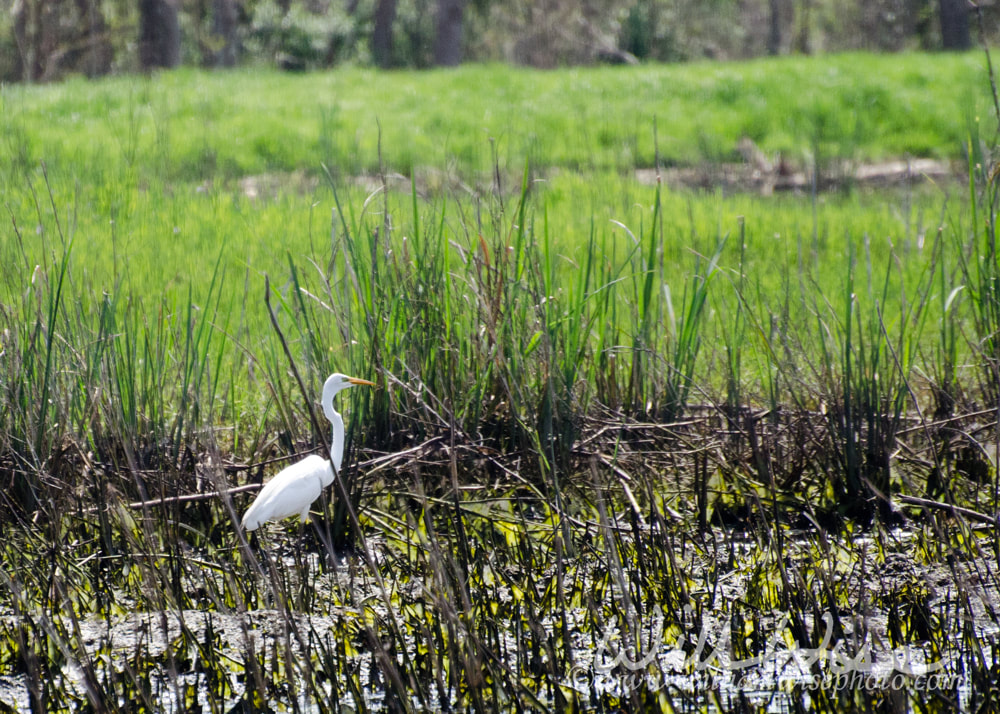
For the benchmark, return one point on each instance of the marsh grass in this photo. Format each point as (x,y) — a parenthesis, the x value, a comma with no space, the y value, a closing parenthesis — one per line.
(865,372)
(504,519)
(605,459)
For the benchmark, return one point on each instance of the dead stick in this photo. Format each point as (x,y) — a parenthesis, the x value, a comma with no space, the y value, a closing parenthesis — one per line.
(185,498)
(954,510)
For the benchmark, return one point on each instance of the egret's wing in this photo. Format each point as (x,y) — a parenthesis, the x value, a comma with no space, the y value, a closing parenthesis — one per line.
(289,492)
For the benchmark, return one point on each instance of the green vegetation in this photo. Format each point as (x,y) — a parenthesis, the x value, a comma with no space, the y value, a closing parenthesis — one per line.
(193,126)
(612,416)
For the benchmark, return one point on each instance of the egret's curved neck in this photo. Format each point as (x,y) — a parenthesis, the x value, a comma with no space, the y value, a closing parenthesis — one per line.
(337,444)
(333,386)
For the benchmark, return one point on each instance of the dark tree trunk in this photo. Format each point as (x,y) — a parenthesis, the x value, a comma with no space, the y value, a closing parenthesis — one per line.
(774,35)
(448,33)
(36,26)
(224,19)
(385,16)
(25,22)
(159,34)
(955,33)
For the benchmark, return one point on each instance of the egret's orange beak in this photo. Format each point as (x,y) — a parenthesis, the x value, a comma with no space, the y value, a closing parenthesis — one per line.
(355,380)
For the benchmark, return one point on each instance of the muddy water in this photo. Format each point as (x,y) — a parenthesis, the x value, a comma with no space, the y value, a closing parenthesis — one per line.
(689,659)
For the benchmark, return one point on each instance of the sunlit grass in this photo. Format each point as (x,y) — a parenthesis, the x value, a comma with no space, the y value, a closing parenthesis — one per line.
(195,125)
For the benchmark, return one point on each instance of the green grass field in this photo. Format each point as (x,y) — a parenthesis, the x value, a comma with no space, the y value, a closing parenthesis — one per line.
(190,126)
(598,398)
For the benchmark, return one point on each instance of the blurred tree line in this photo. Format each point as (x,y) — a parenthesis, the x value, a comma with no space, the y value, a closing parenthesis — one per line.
(44,40)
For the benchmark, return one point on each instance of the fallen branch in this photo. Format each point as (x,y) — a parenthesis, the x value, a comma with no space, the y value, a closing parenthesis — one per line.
(192,497)
(967,513)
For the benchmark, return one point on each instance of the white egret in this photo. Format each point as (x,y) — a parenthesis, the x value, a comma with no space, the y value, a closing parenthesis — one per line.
(293,490)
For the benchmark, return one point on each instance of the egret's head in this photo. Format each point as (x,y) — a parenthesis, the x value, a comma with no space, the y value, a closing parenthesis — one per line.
(336,382)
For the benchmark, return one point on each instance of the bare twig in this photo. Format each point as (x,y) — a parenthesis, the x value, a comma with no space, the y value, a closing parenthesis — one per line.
(968,513)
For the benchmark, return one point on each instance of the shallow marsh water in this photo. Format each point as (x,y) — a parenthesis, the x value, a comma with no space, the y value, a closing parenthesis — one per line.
(719,650)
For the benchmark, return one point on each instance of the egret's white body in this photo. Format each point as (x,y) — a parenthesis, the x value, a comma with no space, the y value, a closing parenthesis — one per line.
(293,490)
